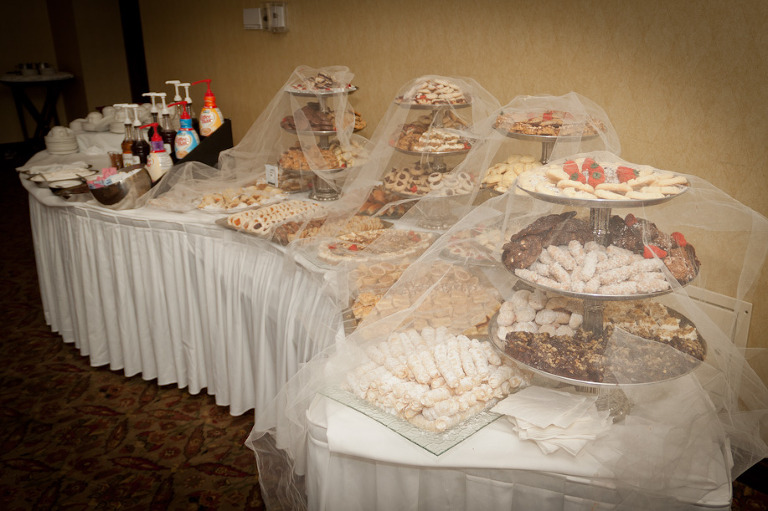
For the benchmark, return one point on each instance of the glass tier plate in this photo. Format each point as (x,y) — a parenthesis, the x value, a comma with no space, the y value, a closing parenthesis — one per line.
(486,258)
(431,106)
(320,92)
(543,138)
(599,203)
(224,211)
(428,195)
(310,249)
(311,172)
(431,153)
(435,443)
(319,133)
(599,297)
(497,344)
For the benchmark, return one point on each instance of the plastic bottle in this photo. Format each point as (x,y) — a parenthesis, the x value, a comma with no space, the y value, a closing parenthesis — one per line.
(176,99)
(186,138)
(211,118)
(154,111)
(158,162)
(190,109)
(167,132)
(127,144)
(140,147)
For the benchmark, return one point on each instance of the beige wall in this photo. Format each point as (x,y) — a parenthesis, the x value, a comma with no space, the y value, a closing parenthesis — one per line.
(105,72)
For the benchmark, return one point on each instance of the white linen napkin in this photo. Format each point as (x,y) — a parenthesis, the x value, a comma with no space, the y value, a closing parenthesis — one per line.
(554,419)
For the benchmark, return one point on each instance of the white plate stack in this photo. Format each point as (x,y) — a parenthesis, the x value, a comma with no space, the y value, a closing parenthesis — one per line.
(61,140)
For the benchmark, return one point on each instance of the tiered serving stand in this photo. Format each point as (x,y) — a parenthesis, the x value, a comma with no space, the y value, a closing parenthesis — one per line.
(434,208)
(594,304)
(324,187)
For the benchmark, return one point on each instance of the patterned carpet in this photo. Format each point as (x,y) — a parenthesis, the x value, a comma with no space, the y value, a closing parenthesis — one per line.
(75,437)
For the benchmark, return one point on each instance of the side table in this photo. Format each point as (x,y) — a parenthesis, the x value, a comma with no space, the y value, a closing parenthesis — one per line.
(53,84)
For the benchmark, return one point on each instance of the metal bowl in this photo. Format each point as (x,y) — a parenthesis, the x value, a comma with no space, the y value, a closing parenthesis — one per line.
(124,194)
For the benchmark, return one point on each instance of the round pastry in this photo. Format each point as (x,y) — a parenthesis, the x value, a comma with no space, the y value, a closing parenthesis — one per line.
(435,178)
(417,170)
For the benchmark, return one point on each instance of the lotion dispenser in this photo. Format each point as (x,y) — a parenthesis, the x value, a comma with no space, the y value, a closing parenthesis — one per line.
(186,138)
(158,162)
(211,118)
(126,146)
(176,98)
(140,145)
(190,109)
(167,132)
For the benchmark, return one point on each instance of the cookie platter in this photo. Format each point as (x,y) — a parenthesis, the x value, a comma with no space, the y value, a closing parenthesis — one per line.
(349,89)
(584,359)
(583,181)
(547,140)
(430,106)
(596,202)
(432,153)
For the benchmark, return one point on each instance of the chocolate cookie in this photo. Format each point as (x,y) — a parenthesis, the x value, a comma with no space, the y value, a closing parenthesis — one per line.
(543,224)
(521,253)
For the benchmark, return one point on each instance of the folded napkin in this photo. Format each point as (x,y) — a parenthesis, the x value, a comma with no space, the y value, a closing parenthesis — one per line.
(554,419)
(47,169)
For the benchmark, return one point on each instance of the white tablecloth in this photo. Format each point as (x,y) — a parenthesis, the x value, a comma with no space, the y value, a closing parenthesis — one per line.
(176,298)
(356,463)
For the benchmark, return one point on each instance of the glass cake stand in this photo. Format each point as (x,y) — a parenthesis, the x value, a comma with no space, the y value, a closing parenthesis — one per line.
(547,141)
(599,216)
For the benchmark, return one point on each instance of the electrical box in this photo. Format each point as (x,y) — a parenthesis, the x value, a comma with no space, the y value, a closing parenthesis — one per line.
(253,19)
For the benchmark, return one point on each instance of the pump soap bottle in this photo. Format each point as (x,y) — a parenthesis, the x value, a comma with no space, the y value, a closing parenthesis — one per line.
(176,99)
(186,138)
(153,97)
(190,109)
(158,162)
(127,145)
(167,132)
(211,118)
(140,145)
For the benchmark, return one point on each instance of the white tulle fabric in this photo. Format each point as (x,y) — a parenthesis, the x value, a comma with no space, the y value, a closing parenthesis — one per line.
(681,441)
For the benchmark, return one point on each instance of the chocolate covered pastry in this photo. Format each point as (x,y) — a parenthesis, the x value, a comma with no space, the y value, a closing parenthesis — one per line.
(559,252)
(545,332)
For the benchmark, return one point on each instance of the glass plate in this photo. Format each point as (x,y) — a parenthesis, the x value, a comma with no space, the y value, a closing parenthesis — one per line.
(435,443)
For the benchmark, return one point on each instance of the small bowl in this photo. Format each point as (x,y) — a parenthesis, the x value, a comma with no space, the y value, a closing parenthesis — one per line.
(125,193)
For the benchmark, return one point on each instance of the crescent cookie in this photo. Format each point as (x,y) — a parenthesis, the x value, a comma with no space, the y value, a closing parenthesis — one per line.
(642,181)
(644,196)
(677,180)
(578,185)
(557,174)
(602,193)
(614,187)
(576,193)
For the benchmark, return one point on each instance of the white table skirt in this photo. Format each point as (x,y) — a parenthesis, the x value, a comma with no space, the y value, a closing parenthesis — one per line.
(174,297)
